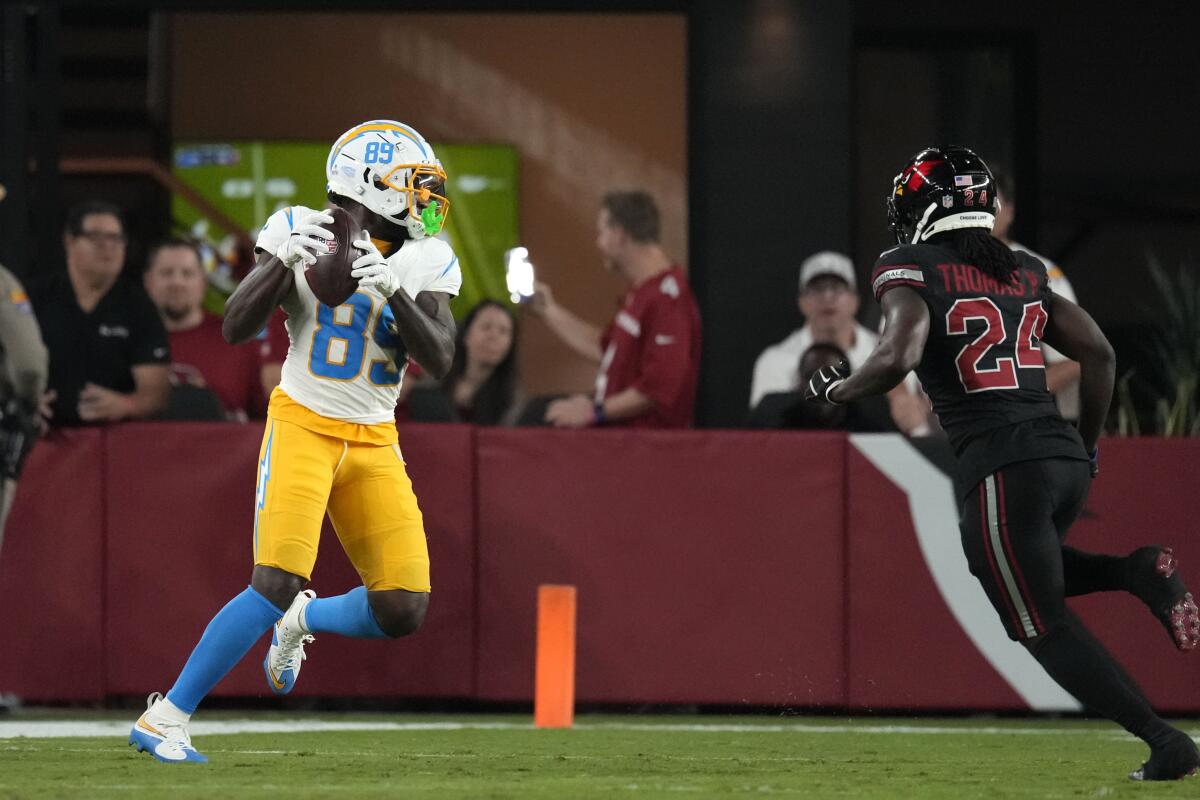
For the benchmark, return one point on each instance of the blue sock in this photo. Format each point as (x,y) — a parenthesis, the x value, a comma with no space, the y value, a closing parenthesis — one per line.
(232,632)
(348,614)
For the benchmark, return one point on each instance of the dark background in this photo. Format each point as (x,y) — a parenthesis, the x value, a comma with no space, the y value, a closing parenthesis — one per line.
(799,113)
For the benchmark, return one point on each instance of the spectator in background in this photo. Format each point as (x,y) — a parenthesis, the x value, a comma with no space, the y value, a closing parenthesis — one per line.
(273,344)
(1062,374)
(790,410)
(828,299)
(481,387)
(108,349)
(210,379)
(649,356)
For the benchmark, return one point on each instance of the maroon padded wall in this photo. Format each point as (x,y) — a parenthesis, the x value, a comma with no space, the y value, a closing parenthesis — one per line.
(709,566)
(713,567)
(52,574)
(187,549)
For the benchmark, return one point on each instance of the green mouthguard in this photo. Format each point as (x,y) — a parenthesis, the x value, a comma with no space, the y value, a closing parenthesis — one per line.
(432,219)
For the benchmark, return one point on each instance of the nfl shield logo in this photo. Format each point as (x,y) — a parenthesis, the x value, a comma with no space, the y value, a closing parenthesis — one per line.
(947,201)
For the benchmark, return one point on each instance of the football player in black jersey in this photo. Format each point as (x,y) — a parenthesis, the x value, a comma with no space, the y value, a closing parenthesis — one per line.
(969,315)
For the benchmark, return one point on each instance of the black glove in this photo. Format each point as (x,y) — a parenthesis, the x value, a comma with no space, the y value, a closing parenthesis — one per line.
(1094,460)
(18,432)
(823,381)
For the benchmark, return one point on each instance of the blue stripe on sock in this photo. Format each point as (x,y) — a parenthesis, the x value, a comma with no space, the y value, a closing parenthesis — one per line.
(347,614)
(232,632)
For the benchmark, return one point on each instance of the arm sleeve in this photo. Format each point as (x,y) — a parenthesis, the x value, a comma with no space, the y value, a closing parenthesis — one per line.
(894,268)
(666,363)
(149,344)
(26,359)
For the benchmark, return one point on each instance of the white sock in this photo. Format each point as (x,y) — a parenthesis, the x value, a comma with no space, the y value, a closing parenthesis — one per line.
(171,711)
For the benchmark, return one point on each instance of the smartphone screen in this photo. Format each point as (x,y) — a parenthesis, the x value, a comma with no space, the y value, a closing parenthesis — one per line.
(518,274)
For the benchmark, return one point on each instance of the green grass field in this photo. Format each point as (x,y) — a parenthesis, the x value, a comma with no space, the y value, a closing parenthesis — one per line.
(425,756)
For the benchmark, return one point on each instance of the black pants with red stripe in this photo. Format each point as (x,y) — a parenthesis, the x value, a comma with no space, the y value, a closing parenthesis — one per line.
(1013,526)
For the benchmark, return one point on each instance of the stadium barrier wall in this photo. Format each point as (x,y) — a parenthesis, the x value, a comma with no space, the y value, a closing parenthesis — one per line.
(713,567)
(52,574)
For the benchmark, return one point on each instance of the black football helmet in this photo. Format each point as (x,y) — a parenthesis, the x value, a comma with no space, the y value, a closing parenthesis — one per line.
(941,189)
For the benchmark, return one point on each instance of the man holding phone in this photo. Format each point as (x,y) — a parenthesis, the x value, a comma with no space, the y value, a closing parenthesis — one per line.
(649,355)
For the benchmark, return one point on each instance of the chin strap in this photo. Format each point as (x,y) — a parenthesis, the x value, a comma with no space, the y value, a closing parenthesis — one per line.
(428,223)
(953,222)
(414,226)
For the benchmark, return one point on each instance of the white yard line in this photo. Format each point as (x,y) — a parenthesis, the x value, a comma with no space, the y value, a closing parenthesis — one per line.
(13,729)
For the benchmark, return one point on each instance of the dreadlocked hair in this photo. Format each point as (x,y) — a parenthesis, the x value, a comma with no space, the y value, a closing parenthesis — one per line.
(989,254)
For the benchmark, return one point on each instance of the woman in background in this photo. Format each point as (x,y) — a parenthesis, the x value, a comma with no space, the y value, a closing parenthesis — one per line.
(481,387)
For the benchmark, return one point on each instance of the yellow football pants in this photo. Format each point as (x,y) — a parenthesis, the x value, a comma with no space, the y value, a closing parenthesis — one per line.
(366,490)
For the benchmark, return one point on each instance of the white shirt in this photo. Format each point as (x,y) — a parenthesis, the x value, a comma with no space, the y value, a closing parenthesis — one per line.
(340,361)
(1068,398)
(777,368)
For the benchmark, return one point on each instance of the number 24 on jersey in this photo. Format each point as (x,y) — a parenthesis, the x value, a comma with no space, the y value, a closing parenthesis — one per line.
(1027,352)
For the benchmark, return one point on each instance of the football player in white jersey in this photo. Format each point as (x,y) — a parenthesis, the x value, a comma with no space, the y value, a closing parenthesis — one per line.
(330,443)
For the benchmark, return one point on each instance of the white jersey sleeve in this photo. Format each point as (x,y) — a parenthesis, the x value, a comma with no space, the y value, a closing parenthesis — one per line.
(342,362)
(278,227)
(427,265)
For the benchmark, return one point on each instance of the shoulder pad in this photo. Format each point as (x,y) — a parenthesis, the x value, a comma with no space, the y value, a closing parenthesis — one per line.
(905,252)
(900,266)
(1030,261)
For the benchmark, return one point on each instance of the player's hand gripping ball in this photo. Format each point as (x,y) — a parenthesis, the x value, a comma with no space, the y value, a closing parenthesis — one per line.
(305,240)
(824,380)
(371,270)
(321,241)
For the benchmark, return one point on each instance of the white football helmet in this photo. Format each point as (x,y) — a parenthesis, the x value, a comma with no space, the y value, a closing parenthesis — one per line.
(390,168)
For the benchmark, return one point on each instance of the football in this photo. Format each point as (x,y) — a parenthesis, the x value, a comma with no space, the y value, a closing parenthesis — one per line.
(330,278)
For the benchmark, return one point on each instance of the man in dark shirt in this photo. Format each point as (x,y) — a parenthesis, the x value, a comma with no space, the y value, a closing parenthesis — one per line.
(970,316)
(108,349)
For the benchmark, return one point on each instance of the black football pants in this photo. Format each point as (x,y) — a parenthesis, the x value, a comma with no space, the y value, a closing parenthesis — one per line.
(1013,526)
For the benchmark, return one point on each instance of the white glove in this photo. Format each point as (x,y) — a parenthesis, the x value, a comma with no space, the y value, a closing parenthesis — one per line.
(306,241)
(372,270)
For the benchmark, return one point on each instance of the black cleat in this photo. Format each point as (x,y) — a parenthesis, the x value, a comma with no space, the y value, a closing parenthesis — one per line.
(1155,580)
(1171,762)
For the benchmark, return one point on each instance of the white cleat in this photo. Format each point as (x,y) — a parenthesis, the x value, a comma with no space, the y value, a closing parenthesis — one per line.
(286,653)
(163,734)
